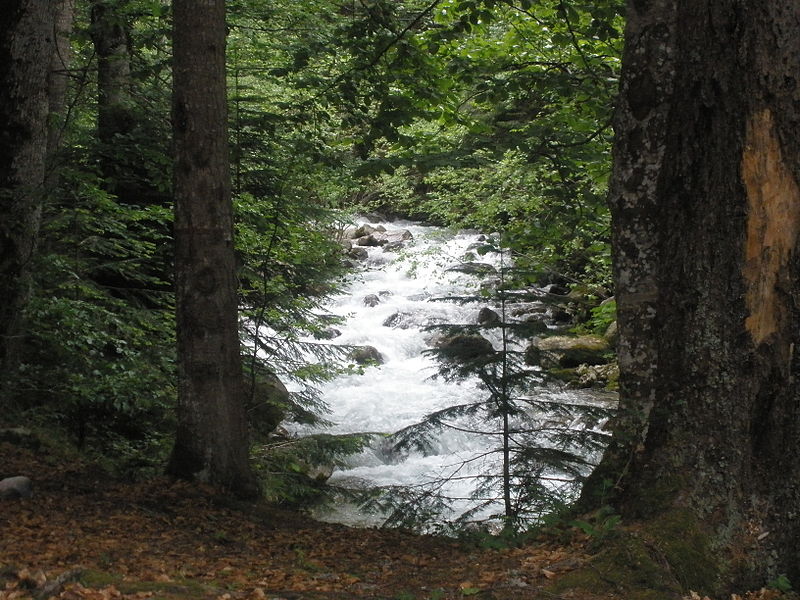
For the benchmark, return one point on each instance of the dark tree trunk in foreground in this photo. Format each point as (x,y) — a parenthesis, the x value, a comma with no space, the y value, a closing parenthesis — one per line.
(26,46)
(211,443)
(706,209)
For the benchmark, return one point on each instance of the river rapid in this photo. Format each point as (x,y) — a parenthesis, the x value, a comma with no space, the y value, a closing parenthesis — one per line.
(388,304)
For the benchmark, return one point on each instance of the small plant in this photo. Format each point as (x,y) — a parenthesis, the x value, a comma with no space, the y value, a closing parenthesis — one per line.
(781,583)
(599,525)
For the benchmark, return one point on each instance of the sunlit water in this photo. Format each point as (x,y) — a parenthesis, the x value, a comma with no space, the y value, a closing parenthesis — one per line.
(403,390)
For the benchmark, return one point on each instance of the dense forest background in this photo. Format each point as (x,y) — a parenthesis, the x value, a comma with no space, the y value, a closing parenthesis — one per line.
(492,115)
(489,114)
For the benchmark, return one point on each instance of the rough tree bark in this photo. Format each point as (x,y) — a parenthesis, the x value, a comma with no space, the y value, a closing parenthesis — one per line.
(212,442)
(59,75)
(706,210)
(26,46)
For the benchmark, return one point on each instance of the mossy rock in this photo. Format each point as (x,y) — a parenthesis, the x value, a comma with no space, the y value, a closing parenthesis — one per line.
(660,559)
(567,351)
(268,405)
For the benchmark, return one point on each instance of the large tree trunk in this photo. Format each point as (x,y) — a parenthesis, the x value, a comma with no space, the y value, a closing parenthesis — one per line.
(706,209)
(211,443)
(59,74)
(26,46)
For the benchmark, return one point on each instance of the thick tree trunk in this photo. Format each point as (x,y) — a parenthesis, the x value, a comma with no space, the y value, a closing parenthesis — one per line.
(110,32)
(59,75)
(26,45)
(211,443)
(706,208)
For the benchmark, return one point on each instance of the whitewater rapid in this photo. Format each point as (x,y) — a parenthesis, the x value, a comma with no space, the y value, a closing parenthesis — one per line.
(409,285)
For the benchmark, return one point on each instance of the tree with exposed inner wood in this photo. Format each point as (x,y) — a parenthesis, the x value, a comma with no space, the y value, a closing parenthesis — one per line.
(706,208)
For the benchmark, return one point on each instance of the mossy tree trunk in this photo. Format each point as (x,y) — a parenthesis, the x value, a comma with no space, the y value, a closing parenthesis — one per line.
(212,442)
(26,46)
(706,210)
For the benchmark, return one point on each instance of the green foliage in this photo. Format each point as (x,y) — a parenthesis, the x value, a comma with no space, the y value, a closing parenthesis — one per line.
(599,525)
(481,113)
(780,583)
(99,356)
(602,316)
(293,471)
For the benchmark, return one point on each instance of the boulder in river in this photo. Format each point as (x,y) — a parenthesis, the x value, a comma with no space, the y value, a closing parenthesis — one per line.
(371,300)
(464,347)
(473,268)
(358,253)
(366,355)
(266,408)
(486,316)
(566,351)
(365,230)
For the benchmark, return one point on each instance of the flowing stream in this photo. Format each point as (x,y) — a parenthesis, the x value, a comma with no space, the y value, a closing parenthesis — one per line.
(387,305)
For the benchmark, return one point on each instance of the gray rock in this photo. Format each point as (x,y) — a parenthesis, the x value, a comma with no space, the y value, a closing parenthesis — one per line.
(366,355)
(612,334)
(20,436)
(567,352)
(399,235)
(473,268)
(364,230)
(15,487)
(465,348)
(371,300)
(393,246)
(486,316)
(368,240)
(358,253)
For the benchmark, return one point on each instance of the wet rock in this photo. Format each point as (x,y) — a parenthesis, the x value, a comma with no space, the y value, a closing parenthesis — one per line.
(366,355)
(393,246)
(399,235)
(569,352)
(464,348)
(371,300)
(365,230)
(486,316)
(367,240)
(401,320)
(358,253)
(555,289)
(473,268)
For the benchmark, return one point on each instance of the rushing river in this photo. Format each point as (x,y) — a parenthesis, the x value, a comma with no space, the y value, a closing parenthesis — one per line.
(387,305)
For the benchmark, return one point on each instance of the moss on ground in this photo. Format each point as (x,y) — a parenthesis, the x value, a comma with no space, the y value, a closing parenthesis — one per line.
(162,590)
(663,558)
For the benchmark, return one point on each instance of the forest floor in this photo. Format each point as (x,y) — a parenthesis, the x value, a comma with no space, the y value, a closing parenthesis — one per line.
(83,535)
